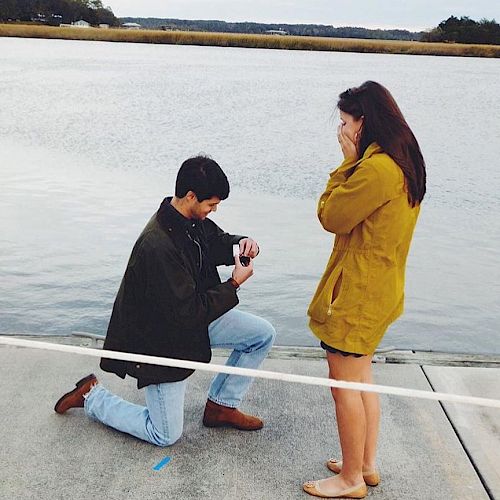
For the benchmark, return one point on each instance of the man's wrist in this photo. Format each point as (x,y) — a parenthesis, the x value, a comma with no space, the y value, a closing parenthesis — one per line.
(234,283)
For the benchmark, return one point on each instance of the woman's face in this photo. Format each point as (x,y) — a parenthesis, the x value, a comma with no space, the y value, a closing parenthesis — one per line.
(350,126)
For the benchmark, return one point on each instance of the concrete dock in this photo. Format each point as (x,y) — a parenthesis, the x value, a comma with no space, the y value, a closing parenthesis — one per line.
(428,450)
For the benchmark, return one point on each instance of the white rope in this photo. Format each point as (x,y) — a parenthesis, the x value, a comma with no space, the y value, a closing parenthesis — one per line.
(232,370)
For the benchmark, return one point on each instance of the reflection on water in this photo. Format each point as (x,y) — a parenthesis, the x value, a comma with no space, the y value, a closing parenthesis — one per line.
(91,136)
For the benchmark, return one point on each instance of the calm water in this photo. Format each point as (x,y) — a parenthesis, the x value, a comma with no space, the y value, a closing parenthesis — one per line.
(92,134)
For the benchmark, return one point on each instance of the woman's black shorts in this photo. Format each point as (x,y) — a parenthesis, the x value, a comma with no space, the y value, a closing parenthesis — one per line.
(338,351)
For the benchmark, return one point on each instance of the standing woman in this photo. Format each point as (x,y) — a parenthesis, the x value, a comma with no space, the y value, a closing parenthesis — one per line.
(371,203)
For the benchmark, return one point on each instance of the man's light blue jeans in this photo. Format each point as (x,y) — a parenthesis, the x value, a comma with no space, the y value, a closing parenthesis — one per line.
(161,421)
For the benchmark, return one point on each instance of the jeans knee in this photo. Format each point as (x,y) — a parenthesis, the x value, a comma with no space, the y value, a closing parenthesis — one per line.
(163,437)
(268,333)
(167,440)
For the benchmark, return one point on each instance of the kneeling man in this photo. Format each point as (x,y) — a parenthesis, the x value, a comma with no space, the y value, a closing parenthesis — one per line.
(172,303)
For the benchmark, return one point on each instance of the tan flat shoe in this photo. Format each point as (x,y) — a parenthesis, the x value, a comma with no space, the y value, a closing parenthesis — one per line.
(358,491)
(372,478)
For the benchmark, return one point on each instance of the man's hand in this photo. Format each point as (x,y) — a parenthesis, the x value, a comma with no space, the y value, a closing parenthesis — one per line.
(241,273)
(249,248)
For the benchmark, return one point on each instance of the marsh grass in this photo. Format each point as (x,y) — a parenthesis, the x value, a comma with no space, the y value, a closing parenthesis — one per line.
(250,41)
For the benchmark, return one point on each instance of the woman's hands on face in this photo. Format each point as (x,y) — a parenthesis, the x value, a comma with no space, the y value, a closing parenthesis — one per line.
(349,148)
(349,133)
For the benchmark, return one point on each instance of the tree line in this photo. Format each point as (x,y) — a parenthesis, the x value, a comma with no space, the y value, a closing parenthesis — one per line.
(57,11)
(453,29)
(260,28)
(465,30)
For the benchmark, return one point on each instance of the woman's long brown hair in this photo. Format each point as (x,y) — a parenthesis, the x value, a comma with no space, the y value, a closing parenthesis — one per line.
(384,124)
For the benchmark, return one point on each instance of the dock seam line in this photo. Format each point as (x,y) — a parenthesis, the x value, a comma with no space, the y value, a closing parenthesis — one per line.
(471,459)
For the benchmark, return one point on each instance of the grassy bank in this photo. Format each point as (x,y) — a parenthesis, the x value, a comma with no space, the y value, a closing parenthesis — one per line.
(251,41)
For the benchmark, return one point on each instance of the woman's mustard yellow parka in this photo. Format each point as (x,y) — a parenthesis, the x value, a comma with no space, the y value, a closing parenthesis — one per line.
(362,289)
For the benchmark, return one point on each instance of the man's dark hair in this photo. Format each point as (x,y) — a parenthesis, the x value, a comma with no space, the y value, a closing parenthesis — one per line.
(204,177)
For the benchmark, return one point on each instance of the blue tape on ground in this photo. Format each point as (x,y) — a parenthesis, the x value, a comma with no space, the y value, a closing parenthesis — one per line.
(162,464)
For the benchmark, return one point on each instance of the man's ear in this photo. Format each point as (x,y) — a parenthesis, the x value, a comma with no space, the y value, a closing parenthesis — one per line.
(191,196)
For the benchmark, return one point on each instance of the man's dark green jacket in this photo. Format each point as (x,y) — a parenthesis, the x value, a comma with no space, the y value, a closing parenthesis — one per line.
(170,293)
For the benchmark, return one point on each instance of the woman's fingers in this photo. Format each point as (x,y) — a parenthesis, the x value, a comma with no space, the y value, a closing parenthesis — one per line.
(349,148)
(340,134)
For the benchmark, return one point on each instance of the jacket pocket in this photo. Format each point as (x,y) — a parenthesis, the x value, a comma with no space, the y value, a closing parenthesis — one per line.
(338,292)
(327,295)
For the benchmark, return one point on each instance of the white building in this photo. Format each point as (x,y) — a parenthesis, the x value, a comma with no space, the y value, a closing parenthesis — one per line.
(80,24)
(77,24)
(276,32)
(104,26)
(131,26)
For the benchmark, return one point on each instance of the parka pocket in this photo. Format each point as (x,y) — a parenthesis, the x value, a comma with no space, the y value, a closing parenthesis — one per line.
(327,296)
(337,292)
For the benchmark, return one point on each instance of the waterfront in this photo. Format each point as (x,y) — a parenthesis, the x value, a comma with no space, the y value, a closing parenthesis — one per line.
(92,134)
(217,39)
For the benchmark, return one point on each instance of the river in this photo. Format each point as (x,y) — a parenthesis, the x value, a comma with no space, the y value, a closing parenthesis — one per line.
(92,134)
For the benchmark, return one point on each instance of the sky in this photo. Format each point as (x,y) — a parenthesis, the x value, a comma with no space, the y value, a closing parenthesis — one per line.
(405,14)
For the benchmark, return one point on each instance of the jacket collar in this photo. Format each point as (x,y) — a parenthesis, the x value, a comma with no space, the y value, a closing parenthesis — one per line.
(349,165)
(169,218)
(371,150)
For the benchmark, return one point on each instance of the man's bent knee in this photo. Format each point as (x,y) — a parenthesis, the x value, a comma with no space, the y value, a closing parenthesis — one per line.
(162,438)
(268,332)
(163,441)
(168,441)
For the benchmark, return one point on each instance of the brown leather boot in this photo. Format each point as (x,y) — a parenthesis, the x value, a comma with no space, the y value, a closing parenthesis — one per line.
(221,416)
(74,398)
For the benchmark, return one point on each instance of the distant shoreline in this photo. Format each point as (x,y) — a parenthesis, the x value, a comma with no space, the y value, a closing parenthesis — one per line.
(251,41)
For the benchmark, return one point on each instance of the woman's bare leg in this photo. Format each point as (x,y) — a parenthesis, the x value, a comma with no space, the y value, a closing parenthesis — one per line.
(351,421)
(371,403)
